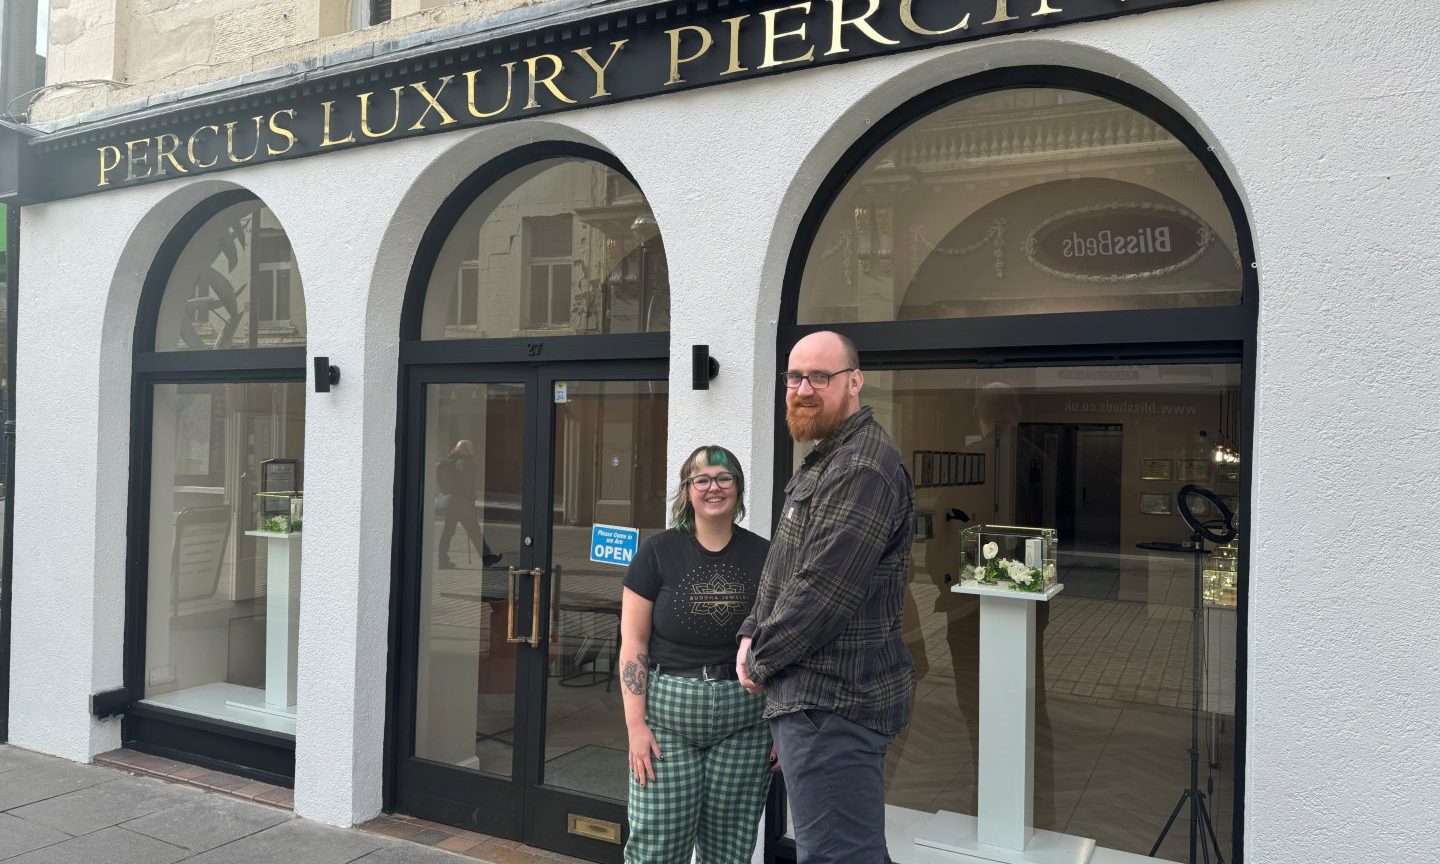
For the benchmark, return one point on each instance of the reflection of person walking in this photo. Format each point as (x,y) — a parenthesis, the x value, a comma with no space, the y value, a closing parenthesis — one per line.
(824,641)
(455,476)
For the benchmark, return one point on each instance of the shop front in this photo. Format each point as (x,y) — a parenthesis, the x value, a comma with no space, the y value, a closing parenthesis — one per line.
(381,372)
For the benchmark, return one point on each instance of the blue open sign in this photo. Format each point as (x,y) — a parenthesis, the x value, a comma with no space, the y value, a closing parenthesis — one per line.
(610,544)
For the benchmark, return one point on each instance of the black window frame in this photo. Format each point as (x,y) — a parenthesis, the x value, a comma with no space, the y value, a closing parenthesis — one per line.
(1209,334)
(247,751)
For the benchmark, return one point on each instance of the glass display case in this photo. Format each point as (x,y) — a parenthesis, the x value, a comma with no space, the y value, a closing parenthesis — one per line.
(279,512)
(1218,577)
(1009,557)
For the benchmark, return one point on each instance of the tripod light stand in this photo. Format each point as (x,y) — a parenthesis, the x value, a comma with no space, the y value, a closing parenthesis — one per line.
(1201,530)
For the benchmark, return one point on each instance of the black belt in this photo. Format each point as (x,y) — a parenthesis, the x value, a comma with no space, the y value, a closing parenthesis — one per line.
(715,672)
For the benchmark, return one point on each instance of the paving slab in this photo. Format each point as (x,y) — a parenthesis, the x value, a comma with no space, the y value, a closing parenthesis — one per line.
(106,804)
(400,852)
(207,822)
(293,842)
(14,757)
(110,845)
(18,836)
(30,783)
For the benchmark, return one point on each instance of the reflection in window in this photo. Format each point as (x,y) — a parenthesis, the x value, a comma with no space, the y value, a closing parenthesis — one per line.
(234,285)
(1097,454)
(225,527)
(1021,202)
(563,246)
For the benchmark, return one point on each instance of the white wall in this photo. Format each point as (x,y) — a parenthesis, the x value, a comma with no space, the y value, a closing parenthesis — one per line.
(1324,113)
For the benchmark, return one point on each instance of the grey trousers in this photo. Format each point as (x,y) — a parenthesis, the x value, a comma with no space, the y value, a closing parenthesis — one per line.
(834,778)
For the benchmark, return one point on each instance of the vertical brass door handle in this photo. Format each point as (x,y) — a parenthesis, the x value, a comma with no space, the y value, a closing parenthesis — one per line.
(539,576)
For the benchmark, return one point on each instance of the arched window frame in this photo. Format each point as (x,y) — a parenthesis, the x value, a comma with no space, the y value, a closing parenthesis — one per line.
(254,752)
(1210,334)
(413,349)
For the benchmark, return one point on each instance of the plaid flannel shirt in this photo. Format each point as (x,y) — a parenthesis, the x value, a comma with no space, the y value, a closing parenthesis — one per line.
(825,628)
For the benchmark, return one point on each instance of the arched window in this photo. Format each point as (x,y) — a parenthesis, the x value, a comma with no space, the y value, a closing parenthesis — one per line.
(234,285)
(562,246)
(1019,202)
(1051,291)
(218,473)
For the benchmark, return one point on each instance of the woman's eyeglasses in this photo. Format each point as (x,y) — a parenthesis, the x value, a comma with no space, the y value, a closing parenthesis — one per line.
(703,481)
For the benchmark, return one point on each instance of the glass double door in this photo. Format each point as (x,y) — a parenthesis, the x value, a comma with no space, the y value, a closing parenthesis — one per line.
(509,709)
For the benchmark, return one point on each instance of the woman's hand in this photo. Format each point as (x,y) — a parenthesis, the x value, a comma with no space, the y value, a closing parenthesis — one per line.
(642,749)
(774,760)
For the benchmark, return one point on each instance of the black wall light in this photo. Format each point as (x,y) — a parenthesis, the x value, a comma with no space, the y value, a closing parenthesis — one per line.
(704,367)
(326,376)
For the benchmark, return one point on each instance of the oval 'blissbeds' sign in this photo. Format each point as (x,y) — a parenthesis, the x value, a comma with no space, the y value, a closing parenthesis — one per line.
(1117,242)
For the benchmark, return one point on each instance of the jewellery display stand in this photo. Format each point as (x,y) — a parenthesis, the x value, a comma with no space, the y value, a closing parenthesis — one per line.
(282,623)
(1003,828)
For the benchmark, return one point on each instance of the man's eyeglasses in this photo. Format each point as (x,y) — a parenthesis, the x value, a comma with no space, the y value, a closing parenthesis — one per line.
(818,380)
(703,481)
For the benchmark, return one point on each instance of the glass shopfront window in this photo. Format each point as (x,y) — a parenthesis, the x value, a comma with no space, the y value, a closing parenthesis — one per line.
(1029,203)
(563,246)
(1019,202)
(221,450)
(1098,454)
(223,599)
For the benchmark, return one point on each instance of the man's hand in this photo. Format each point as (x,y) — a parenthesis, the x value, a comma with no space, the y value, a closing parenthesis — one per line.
(742,670)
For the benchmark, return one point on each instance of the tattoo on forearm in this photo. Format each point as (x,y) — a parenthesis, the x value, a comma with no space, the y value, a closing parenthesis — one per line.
(635,673)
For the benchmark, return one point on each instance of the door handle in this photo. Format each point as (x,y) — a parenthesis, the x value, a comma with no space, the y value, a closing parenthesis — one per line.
(534,638)
(538,575)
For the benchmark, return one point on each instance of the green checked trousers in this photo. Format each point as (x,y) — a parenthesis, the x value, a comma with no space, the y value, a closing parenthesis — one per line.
(709,789)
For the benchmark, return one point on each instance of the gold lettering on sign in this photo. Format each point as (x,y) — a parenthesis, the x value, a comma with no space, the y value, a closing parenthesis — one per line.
(325,139)
(706,40)
(771,36)
(104,167)
(838,21)
(599,69)
(734,46)
(230,141)
(1045,9)
(556,67)
(432,103)
(907,17)
(1002,12)
(365,114)
(165,146)
(131,159)
(470,92)
(190,147)
(281,131)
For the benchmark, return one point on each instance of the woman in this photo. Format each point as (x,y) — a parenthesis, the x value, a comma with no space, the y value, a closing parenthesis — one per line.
(699,748)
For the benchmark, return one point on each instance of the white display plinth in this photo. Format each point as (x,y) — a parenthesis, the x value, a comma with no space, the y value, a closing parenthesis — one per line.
(282,622)
(1003,829)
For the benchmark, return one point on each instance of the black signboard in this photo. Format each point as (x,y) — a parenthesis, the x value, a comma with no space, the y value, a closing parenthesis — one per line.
(626,55)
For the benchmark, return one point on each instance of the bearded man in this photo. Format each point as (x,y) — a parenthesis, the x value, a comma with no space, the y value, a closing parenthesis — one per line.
(823,641)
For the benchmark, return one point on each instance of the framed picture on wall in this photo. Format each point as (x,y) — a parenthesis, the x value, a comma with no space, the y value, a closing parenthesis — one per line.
(1156,469)
(917,468)
(924,525)
(1194,470)
(1156,504)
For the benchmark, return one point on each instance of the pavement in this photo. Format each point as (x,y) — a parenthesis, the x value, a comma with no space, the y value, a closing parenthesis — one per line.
(53,811)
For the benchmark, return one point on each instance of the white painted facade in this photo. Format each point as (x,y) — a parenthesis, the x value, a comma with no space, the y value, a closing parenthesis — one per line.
(1322,111)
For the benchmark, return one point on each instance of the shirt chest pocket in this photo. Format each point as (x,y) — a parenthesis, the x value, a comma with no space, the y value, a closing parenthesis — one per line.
(798,499)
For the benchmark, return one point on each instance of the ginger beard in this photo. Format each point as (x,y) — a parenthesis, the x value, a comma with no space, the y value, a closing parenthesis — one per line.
(809,421)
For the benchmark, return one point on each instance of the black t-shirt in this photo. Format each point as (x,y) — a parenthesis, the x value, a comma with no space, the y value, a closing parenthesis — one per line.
(700,596)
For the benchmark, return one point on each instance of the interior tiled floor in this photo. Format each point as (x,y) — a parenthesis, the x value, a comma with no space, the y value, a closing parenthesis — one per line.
(1116,709)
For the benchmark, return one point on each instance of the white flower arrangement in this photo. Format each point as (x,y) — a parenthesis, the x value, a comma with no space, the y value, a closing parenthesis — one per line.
(1007,573)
